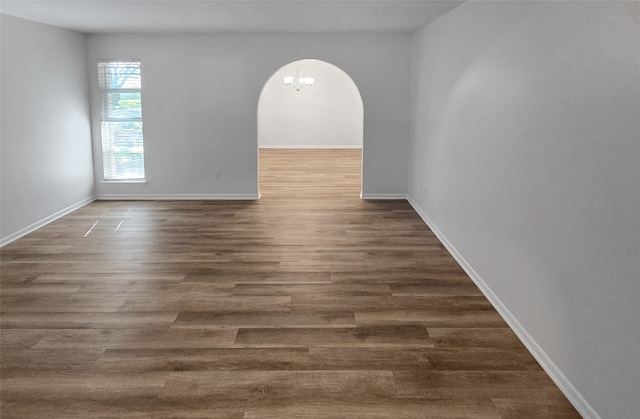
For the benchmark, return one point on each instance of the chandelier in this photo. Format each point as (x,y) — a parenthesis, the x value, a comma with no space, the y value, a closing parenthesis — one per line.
(298,82)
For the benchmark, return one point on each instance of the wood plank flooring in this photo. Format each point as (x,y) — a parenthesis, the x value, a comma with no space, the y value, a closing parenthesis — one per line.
(309,303)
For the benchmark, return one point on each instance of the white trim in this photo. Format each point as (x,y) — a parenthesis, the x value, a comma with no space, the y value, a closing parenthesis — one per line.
(312,146)
(33,227)
(124,182)
(563,383)
(382,196)
(177,197)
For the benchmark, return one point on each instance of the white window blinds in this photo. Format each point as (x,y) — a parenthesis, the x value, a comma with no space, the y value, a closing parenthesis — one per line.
(121,120)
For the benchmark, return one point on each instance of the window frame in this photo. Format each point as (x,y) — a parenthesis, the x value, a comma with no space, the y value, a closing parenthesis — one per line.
(107,119)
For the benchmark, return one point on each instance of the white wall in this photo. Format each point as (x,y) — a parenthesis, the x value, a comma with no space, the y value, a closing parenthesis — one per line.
(527,142)
(328,114)
(46,140)
(200,96)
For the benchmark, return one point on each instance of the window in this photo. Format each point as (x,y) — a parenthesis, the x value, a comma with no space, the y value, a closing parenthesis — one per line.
(121,120)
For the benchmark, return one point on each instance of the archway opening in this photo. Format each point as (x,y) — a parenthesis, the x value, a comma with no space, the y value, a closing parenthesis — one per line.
(326,115)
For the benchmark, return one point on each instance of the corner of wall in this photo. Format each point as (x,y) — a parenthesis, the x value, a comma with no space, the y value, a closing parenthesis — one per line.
(41,223)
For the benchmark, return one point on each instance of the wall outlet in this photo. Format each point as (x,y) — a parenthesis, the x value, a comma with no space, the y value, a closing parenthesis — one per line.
(218,176)
(425,193)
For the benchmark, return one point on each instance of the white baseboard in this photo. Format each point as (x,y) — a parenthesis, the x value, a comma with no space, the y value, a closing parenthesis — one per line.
(177,197)
(311,146)
(33,227)
(570,392)
(382,196)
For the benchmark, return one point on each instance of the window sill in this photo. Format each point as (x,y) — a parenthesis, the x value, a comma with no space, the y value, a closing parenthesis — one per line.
(122,182)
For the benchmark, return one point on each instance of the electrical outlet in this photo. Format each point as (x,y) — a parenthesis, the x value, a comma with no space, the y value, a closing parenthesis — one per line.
(425,193)
(218,176)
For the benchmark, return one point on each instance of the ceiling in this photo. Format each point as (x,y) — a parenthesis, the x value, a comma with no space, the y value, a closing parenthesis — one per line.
(211,16)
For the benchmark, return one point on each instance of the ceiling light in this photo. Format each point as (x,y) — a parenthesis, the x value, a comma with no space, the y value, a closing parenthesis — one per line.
(298,82)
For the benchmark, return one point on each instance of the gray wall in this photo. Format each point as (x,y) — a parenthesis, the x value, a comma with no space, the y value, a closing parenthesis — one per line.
(200,100)
(526,158)
(47,164)
(328,114)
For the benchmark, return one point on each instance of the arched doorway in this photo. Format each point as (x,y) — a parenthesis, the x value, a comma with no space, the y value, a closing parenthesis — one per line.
(328,114)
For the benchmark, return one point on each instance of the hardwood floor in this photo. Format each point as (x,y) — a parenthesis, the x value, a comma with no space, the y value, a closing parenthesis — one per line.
(309,303)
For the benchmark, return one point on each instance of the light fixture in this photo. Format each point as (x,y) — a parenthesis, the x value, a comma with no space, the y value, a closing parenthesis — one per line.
(298,82)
